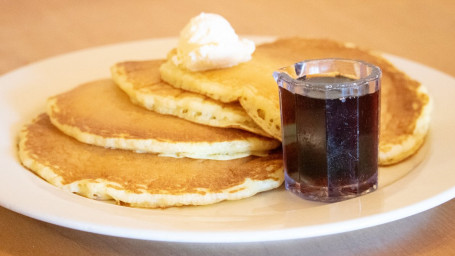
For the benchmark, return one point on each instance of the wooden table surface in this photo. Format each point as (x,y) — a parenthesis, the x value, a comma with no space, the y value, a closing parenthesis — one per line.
(421,31)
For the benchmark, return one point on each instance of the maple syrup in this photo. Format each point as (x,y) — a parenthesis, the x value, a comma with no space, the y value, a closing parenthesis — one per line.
(330,145)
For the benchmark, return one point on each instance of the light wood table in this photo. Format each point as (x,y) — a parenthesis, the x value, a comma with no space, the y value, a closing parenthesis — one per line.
(421,31)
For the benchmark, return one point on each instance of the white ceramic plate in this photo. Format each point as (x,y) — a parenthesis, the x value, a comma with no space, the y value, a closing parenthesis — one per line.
(422,182)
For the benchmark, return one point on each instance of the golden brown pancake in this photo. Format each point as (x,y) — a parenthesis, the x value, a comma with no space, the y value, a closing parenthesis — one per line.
(142,82)
(100,113)
(405,106)
(141,180)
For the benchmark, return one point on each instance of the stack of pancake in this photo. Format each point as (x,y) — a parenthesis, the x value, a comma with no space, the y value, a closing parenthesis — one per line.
(158,135)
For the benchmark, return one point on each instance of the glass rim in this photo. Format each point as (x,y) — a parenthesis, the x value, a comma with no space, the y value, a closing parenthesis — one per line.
(282,73)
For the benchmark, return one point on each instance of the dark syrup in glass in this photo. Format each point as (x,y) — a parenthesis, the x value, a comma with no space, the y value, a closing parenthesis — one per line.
(333,152)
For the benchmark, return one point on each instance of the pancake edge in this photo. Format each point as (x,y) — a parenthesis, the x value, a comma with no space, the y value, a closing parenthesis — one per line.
(226,150)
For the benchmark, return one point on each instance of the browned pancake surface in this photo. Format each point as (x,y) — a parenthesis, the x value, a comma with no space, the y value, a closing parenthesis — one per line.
(100,113)
(135,173)
(101,108)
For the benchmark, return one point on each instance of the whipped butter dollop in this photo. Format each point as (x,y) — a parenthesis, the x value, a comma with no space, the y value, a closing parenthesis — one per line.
(208,41)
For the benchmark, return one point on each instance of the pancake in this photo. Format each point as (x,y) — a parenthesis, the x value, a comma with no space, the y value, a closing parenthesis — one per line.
(141,180)
(142,82)
(405,104)
(99,113)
